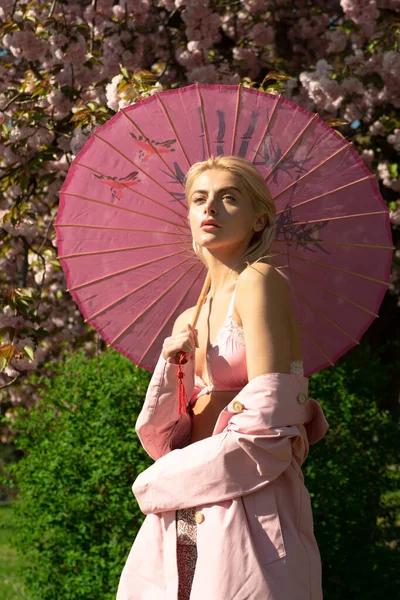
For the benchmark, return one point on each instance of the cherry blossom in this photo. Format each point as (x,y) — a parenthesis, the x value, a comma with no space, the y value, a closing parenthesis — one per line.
(394,139)
(323,90)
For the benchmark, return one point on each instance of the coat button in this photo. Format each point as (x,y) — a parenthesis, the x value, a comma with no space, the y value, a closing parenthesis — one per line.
(198,517)
(302,398)
(237,406)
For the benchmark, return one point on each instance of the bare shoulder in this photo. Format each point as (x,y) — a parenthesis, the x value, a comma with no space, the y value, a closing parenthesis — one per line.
(265,307)
(182,320)
(263,303)
(260,280)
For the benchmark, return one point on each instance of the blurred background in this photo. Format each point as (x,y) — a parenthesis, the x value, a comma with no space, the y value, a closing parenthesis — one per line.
(68,405)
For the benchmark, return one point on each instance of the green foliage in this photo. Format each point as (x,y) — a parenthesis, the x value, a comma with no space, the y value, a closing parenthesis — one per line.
(76,517)
(352,478)
(11,565)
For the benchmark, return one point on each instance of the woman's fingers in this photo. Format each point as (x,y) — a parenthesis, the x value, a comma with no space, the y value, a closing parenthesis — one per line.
(180,342)
(195,336)
(193,331)
(185,341)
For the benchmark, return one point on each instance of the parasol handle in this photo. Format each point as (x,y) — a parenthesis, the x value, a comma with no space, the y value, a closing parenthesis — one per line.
(200,301)
(182,398)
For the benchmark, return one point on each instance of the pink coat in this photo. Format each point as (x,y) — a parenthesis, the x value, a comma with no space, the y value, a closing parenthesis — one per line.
(256,539)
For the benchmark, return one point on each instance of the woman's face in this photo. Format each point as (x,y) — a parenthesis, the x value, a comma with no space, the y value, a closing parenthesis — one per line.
(217,197)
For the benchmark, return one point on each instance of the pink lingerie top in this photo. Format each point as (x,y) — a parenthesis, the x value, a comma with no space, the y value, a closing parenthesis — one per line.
(227,370)
(226,360)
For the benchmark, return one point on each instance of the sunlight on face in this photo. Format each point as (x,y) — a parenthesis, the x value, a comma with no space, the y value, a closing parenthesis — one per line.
(218,195)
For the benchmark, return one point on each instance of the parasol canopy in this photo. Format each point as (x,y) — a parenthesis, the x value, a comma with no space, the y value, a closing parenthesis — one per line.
(125,245)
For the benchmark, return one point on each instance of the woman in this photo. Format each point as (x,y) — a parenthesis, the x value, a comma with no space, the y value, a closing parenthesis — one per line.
(229,516)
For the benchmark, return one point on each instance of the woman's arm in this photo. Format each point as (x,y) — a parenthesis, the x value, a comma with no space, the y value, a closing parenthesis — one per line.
(264,305)
(159,426)
(255,447)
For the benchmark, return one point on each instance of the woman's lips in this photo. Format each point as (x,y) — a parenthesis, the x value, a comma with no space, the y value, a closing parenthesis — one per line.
(210,227)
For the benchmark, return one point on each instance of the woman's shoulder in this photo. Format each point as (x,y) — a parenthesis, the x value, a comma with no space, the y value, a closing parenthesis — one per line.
(262,278)
(183,319)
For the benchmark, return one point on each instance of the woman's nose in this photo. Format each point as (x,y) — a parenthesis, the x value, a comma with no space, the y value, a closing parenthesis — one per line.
(209,207)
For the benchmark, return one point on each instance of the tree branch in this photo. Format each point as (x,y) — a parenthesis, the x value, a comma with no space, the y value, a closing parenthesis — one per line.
(7,104)
(24,270)
(14,8)
(52,8)
(10,382)
(37,252)
(91,43)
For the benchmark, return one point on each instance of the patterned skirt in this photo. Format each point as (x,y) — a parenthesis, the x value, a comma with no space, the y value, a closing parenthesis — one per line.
(186,550)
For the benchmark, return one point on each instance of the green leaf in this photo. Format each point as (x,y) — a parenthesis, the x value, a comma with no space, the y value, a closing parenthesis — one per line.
(28,351)
(7,352)
(394,170)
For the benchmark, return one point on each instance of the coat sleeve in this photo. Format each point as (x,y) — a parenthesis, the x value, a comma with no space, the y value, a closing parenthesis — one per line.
(269,423)
(159,426)
(221,467)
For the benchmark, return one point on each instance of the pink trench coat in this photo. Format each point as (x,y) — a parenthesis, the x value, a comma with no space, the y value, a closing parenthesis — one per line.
(256,539)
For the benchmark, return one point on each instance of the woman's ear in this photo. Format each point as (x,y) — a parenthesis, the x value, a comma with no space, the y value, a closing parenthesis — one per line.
(260,223)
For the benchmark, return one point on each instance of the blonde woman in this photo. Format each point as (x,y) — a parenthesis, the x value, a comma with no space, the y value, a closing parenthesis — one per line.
(228,514)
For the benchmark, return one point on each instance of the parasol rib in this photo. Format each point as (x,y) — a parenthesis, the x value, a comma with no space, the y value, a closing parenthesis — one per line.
(151,305)
(324,243)
(327,318)
(290,147)
(380,212)
(293,206)
(322,287)
(113,250)
(149,262)
(181,299)
(117,207)
(267,127)
(316,345)
(344,147)
(238,97)
(173,128)
(204,120)
(145,284)
(154,231)
(326,266)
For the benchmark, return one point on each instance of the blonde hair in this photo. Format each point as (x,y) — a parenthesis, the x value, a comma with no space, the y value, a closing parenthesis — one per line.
(259,194)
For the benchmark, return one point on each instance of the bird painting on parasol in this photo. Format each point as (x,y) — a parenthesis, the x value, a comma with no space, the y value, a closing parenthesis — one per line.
(149,147)
(117,184)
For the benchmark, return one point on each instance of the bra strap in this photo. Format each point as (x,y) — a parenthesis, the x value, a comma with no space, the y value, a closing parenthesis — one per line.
(230,309)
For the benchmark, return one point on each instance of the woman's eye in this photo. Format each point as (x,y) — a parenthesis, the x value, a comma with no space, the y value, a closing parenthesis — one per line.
(197,200)
(230,198)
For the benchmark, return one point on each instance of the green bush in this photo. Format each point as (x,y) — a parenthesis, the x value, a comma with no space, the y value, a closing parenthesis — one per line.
(352,477)
(77,518)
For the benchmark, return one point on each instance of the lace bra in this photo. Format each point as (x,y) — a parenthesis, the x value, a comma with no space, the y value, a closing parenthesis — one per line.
(226,360)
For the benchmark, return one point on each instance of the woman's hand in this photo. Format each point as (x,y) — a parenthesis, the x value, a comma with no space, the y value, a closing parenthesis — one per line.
(185,341)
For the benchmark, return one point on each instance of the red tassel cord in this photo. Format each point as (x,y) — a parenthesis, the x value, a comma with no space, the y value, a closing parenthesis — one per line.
(182,398)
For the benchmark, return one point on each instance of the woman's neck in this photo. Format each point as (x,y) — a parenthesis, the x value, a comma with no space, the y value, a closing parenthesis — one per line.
(221,273)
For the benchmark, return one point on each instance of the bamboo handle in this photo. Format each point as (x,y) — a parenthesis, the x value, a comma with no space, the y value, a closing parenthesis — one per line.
(200,301)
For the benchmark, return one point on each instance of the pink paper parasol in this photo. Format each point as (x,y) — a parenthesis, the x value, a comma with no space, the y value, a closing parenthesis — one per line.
(123,236)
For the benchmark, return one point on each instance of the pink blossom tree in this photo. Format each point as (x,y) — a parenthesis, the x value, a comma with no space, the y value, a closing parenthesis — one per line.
(66,66)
